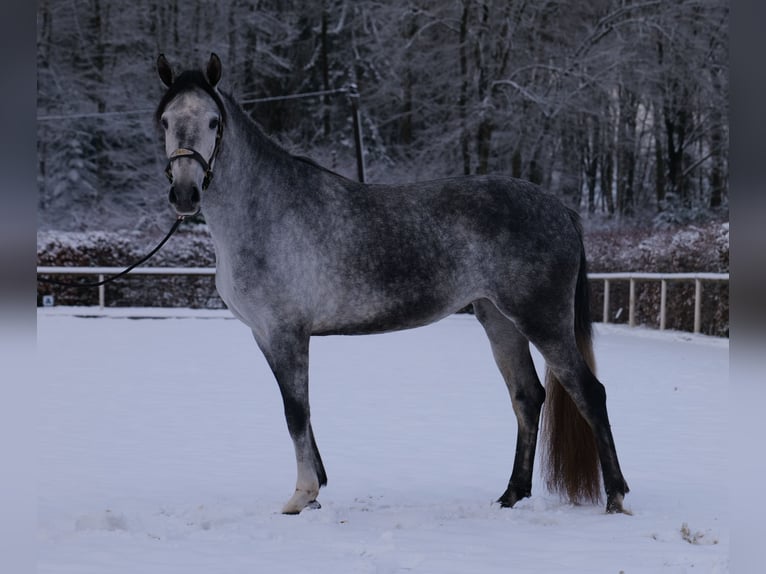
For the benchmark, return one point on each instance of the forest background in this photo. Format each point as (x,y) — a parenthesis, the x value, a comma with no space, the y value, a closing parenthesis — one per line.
(619,107)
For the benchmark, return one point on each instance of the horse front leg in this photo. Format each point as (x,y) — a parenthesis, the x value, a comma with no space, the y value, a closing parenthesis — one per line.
(511,352)
(287,355)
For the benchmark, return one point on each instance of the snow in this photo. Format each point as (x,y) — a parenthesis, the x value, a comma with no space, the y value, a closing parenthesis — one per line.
(163,449)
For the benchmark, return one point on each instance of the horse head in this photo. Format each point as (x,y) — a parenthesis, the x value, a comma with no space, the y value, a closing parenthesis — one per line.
(191,115)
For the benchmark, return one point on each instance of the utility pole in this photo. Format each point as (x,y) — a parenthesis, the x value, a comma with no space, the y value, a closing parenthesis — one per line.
(353,98)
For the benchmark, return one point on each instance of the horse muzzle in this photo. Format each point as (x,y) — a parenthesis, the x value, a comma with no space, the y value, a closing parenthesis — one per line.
(185,199)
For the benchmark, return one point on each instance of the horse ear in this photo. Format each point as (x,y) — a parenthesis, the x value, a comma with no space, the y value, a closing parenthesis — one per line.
(164,70)
(213,72)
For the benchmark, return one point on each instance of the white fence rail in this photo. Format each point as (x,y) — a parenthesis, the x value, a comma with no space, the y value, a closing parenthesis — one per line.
(663,278)
(607,278)
(102,272)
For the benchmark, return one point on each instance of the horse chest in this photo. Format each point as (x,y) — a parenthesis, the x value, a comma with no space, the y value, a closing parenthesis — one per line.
(255,281)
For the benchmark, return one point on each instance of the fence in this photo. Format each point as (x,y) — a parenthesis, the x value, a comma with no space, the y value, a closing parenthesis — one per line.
(663,278)
(102,272)
(607,278)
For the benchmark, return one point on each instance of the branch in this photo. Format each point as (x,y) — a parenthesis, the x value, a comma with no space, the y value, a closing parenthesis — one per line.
(697,163)
(532,97)
(606,25)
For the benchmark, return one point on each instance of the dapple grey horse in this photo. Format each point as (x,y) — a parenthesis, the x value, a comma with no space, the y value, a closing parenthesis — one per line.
(303,251)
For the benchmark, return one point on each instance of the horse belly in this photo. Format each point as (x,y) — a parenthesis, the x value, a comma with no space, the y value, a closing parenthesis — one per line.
(369,319)
(377,302)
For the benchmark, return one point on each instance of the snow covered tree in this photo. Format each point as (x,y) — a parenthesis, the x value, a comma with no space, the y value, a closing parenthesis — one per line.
(619,106)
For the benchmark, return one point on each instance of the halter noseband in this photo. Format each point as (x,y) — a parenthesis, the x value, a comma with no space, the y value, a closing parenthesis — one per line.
(207,166)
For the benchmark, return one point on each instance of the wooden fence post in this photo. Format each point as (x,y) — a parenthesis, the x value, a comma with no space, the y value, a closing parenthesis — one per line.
(632,303)
(697,305)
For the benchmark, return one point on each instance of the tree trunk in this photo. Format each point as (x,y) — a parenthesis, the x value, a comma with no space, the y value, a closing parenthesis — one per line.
(484,145)
(405,125)
(660,182)
(607,176)
(325,63)
(98,139)
(717,143)
(626,146)
(516,163)
(590,164)
(573,153)
(716,170)
(463,100)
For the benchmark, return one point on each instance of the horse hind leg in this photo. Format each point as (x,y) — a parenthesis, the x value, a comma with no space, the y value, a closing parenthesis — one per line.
(511,352)
(576,426)
(288,358)
(578,399)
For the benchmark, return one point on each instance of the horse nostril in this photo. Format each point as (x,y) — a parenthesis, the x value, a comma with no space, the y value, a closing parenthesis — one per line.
(172,197)
(195,197)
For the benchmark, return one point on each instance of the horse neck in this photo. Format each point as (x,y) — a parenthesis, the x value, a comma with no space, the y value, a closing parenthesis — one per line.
(250,176)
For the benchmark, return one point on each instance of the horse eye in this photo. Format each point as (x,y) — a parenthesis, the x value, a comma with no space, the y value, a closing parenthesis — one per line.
(165,123)
(214,123)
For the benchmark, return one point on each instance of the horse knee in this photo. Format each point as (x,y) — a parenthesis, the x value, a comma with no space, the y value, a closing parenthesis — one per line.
(296,415)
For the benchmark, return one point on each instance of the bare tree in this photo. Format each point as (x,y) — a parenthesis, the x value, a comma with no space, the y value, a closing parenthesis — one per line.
(620,106)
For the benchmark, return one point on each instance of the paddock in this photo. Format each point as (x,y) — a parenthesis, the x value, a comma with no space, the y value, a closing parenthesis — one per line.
(153,457)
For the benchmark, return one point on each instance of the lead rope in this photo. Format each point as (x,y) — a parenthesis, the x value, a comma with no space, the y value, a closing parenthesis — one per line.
(125,271)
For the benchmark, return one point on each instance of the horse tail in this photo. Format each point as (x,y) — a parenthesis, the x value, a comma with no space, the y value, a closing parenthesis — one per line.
(570,457)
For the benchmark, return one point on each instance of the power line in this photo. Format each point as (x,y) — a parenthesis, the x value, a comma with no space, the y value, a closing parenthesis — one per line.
(59,117)
(343,90)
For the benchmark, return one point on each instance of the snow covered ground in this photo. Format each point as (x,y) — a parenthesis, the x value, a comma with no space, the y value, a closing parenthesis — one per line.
(163,449)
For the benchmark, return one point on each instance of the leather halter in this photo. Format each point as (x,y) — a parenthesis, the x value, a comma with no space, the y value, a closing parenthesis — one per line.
(207,166)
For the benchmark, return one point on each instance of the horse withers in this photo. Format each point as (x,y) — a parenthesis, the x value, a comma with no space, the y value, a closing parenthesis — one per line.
(303,251)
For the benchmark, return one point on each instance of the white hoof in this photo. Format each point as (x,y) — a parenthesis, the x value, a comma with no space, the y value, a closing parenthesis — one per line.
(300,500)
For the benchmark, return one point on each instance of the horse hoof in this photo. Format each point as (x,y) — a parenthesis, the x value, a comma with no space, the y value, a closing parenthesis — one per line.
(512,495)
(300,500)
(614,505)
